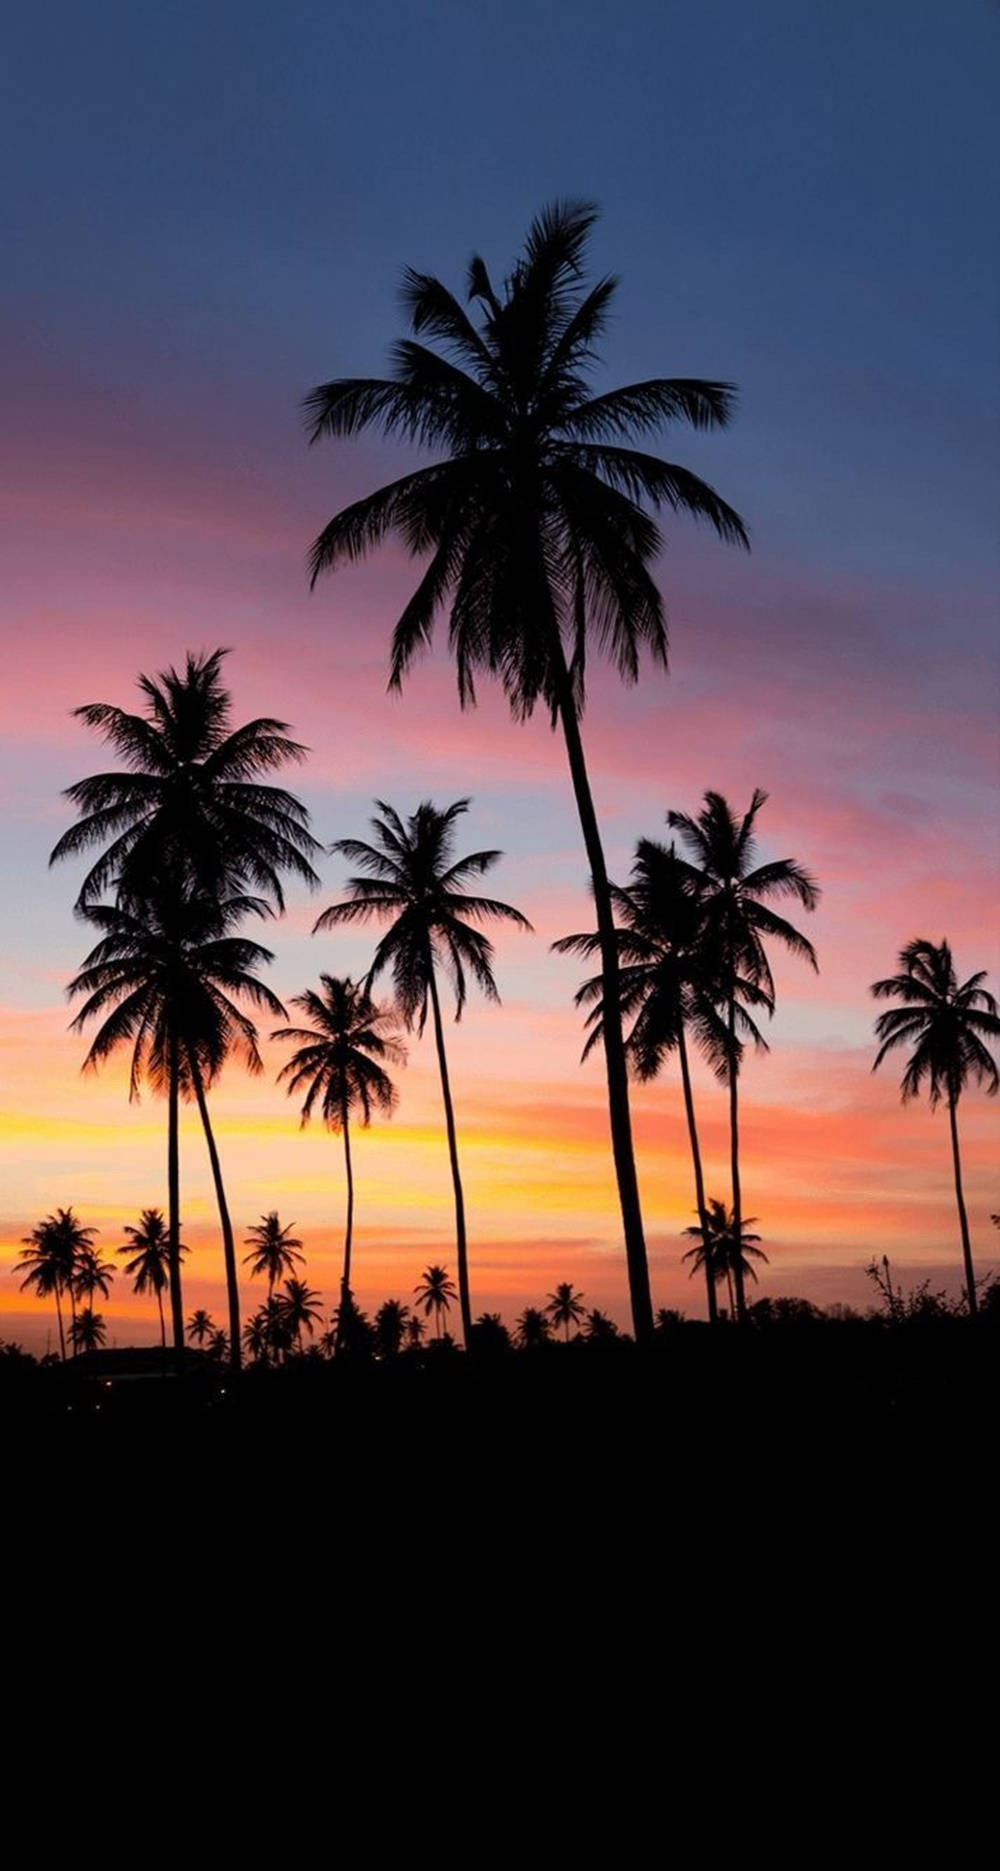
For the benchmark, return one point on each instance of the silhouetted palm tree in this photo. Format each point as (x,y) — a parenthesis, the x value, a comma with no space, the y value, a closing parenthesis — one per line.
(93,1275)
(190,807)
(490,1333)
(600,1327)
(299,1309)
(735,895)
(149,1267)
(339,1064)
(728,1255)
(533,1329)
(168,973)
(415,1330)
(565,1307)
(257,1336)
(949,1028)
(391,1322)
(275,1249)
(50,1260)
(218,1346)
(434,1294)
(536,526)
(88,1330)
(413,876)
(200,1326)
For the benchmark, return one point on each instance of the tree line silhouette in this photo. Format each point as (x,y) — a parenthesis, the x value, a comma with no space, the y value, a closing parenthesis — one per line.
(537,534)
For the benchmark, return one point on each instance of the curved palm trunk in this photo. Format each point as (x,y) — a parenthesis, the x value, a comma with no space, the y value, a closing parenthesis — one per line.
(174,1198)
(62,1335)
(699,1180)
(163,1323)
(461,1247)
(614,1042)
(345,1280)
(963,1219)
(734,1157)
(228,1244)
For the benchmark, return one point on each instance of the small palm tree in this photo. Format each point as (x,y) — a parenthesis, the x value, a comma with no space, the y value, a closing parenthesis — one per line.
(600,1327)
(735,894)
(949,1028)
(340,1064)
(728,1255)
(299,1309)
(414,1333)
(200,1326)
(148,1267)
(391,1322)
(565,1307)
(88,1330)
(536,522)
(533,1329)
(51,1257)
(93,1275)
(275,1249)
(434,1294)
(218,1346)
(411,875)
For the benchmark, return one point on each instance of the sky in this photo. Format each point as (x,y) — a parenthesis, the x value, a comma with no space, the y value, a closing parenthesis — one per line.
(206,210)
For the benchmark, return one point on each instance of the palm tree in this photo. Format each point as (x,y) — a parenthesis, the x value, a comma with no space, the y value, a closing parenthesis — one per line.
(190,805)
(735,894)
(414,1334)
(434,1294)
(391,1321)
(219,1347)
(533,1329)
(88,1330)
(93,1275)
(275,1249)
(164,977)
(725,1253)
(299,1309)
(257,1341)
(339,1063)
(149,1267)
(200,1326)
(565,1307)
(50,1260)
(411,874)
(536,524)
(949,1028)
(600,1327)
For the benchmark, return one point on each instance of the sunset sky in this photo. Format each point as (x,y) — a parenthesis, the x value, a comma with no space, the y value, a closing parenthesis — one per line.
(206,211)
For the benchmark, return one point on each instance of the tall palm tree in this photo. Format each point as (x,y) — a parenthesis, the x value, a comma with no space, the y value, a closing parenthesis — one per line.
(275,1249)
(50,1258)
(339,1064)
(949,1028)
(535,524)
(434,1294)
(149,1266)
(726,1253)
(411,875)
(165,980)
(189,804)
(736,893)
(565,1307)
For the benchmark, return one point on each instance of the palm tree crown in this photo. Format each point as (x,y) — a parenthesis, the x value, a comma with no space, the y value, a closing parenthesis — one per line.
(274,1249)
(947,1025)
(735,891)
(565,1306)
(720,1248)
(434,1294)
(339,1063)
(190,804)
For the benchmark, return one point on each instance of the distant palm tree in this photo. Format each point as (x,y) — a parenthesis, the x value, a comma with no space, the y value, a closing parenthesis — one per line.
(50,1260)
(275,1249)
(434,1294)
(93,1275)
(257,1336)
(735,894)
(412,875)
(728,1255)
(299,1309)
(165,980)
(565,1307)
(218,1346)
(949,1028)
(533,1329)
(491,1334)
(200,1326)
(189,807)
(415,1331)
(391,1321)
(88,1330)
(340,1064)
(536,524)
(149,1266)
(600,1327)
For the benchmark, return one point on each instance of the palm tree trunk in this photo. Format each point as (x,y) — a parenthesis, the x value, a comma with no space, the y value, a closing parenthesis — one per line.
(345,1281)
(729,1283)
(228,1244)
(62,1335)
(163,1323)
(963,1219)
(461,1247)
(614,1042)
(174,1196)
(699,1180)
(734,1152)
